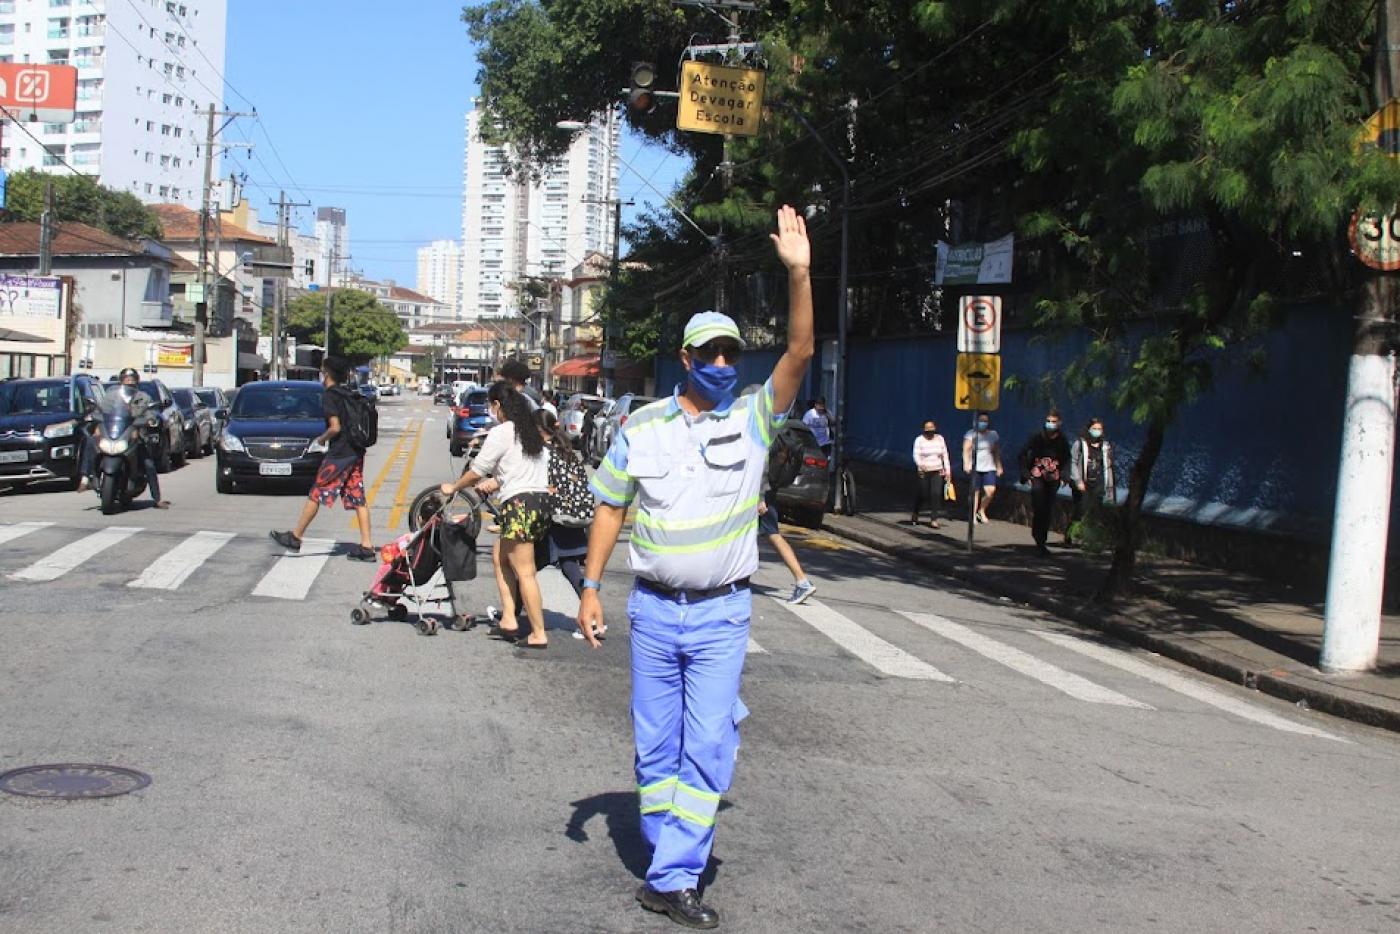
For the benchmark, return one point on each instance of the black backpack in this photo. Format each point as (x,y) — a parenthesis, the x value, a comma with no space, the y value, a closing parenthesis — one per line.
(784,461)
(573,501)
(362,419)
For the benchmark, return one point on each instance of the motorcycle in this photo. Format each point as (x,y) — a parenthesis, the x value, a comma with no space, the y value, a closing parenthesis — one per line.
(121,477)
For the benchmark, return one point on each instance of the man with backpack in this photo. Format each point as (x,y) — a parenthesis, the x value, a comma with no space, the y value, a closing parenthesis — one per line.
(351,428)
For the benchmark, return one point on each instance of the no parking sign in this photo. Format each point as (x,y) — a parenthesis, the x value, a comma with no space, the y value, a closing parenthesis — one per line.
(979,324)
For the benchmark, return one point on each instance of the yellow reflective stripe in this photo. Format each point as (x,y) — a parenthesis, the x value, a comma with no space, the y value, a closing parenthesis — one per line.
(648,425)
(625,478)
(747,528)
(656,808)
(685,815)
(697,793)
(665,783)
(683,525)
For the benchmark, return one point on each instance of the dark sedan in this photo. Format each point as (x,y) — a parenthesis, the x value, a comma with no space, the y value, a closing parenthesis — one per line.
(269,435)
(41,428)
(467,419)
(198,422)
(806,498)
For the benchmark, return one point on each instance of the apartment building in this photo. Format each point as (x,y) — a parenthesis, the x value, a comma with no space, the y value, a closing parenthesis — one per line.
(439,272)
(145,70)
(333,234)
(514,228)
(413,309)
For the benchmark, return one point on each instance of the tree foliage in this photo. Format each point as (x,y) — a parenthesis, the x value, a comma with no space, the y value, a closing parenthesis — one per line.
(1173,168)
(361,327)
(78,198)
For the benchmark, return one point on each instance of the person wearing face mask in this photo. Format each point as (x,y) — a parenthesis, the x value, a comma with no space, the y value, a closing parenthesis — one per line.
(981,454)
(935,470)
(1044,463)
(1090,471)
(342,472)
(694,464)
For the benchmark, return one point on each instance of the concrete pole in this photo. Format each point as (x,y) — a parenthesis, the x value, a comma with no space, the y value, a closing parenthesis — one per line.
(201,308)
(1361,523)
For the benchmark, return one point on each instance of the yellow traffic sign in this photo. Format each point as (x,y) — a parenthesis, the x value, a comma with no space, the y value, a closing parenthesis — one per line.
(978,384)
(1382,130)
(719,99)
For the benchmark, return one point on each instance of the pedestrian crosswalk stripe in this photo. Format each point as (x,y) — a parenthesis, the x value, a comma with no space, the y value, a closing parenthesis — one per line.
(755,649)
(868,647)
(1182,685)
(1023,662)
(9,533)
(171,569)
(292,576)
(72,555)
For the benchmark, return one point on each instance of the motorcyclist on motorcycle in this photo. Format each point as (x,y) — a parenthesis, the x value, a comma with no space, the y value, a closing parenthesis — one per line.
(128,393)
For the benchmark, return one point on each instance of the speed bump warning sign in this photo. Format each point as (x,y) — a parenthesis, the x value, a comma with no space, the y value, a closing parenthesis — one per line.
(978,384)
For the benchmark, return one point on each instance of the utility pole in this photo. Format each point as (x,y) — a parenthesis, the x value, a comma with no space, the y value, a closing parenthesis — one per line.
(279,299)
(1361,523)
(330,294)
(46,231)
(614,267)
(201,308)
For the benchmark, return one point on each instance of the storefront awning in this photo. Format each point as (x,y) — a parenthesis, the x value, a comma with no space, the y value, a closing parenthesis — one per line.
(21,337)
(579,366)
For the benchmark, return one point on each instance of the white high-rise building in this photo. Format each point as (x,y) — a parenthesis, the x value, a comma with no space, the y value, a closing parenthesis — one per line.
(439,271)
(143,69)
(513,229)
(333,233)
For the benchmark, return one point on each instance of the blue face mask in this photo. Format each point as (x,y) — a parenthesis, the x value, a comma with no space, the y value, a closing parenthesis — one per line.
(1096,432)
(1052,426)
(715,384)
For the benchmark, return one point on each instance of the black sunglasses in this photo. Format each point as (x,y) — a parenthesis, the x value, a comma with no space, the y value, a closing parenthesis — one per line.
(711,351)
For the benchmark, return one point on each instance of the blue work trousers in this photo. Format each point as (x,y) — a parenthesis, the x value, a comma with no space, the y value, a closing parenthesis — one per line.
(687,659)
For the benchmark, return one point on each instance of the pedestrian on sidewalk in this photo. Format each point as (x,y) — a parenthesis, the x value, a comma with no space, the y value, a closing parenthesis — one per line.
(514,455)
(818,419)
(981,454)
(694,464)
(342,471)
(935,472)
(1045,461)
(1090,473)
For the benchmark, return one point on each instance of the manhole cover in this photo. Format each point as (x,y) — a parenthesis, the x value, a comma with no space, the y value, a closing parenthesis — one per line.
(71,781)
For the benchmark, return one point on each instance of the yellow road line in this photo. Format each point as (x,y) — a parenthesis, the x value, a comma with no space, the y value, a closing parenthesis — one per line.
(383,473)
(404,481)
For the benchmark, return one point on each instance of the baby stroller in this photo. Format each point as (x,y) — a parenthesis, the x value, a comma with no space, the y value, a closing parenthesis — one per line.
(442,538)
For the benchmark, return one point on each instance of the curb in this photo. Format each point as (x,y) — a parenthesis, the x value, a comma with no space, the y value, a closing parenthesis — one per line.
(1331,699)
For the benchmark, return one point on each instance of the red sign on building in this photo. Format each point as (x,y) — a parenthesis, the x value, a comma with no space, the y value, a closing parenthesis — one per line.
(42,93)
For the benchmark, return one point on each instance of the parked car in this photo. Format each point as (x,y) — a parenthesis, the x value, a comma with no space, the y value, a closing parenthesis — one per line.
(467,419)
(442,395)
(576,416)
(218,402)
(198,423)
(617,417)
(389,389)
(591,437)
(172,435)
(41,428)
(269,435)
(805,500)
(369,391)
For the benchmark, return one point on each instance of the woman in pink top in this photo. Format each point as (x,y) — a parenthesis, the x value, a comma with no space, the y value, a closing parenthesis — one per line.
(931,460)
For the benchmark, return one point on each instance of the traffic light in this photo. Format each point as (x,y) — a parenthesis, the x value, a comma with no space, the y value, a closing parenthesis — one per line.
(641,98)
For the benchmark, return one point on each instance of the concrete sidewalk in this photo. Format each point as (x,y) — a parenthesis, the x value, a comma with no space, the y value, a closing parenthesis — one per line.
(1256,633)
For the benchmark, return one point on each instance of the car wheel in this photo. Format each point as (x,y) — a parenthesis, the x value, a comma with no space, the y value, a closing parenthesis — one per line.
(163,461)
(455,449)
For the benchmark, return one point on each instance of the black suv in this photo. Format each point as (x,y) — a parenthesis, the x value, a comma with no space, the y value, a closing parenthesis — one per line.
(41,428)
(269,433)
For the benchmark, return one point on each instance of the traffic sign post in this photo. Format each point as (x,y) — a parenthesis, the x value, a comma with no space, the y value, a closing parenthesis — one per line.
(979,324)
(977,389)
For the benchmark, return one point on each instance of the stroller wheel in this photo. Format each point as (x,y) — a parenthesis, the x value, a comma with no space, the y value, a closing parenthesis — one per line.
(427,627)
(359,616)
(398,612)
(462,623)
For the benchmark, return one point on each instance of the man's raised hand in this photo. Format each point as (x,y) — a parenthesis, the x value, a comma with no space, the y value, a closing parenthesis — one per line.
(791,242)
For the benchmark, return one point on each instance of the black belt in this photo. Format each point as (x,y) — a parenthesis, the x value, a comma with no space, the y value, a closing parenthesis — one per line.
(693,595)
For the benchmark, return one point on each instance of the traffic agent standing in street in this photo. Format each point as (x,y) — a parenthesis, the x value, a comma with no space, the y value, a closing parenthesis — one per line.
(694,465)
(342,472)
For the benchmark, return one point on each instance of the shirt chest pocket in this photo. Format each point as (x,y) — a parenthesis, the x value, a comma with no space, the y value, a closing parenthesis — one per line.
(725,462)
(659,480)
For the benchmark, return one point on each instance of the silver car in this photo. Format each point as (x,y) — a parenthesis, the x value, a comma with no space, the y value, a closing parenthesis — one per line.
(608,425)
(576,418)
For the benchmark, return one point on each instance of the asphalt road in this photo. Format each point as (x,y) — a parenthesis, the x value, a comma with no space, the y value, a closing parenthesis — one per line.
(919,757)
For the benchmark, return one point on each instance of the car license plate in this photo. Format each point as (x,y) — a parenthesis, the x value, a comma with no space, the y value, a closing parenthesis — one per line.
(275,470)
(13,457)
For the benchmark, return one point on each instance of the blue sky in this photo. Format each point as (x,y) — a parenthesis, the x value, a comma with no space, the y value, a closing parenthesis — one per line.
(362,106)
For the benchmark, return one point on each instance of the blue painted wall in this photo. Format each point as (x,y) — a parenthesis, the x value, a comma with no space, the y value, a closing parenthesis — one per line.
(1259,451)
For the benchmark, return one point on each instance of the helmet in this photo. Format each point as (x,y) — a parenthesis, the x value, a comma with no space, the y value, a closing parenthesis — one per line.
(131,370)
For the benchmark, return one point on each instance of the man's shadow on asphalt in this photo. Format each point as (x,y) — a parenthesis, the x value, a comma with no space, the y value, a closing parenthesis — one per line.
(620,816)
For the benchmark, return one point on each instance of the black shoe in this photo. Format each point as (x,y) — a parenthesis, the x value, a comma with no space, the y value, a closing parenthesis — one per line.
(1041,550)
(287,540)
(683,906)
(360,553)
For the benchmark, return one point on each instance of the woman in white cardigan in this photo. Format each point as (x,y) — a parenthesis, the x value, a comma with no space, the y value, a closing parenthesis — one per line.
(934,467)
(1090,471)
